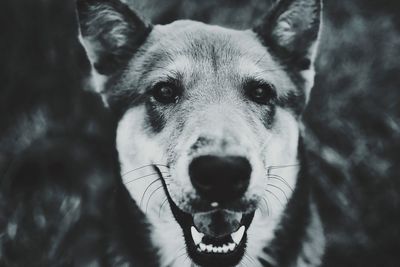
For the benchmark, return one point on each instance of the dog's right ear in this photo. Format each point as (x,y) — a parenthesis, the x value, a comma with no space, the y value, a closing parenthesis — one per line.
(111,33)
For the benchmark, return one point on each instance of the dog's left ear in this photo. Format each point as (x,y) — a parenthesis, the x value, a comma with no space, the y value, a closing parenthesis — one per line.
(291,29)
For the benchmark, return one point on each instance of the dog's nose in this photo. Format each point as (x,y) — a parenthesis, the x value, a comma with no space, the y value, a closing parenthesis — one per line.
(220,179)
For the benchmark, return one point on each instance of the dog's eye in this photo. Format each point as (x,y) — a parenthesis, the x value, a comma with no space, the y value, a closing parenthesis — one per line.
(261,93)
(165,93)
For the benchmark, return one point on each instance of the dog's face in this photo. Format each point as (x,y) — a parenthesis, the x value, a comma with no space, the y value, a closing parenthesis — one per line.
(209,121)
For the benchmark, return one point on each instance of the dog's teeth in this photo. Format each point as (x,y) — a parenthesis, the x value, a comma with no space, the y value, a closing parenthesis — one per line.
(231,246)
(238,235)
(211,249)
(197,237)
(214,249)
(203,247)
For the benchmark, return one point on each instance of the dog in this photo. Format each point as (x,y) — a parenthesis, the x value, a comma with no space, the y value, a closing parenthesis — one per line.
(209,133)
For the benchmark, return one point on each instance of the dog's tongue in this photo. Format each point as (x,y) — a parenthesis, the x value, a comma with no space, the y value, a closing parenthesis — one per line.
(217,223)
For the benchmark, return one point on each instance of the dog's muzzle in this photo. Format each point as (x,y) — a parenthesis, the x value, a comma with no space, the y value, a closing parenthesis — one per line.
(217,234)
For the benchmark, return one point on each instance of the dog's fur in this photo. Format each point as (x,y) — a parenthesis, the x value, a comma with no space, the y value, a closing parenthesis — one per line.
(215,70)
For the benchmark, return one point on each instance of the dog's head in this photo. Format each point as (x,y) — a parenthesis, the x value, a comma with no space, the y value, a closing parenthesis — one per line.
(215,110)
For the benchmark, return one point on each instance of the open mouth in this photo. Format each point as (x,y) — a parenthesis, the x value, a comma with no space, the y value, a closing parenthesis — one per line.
(225,250)
(222,250)
(224,245)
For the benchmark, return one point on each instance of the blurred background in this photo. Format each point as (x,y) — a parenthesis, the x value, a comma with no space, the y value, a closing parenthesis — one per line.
(352,122)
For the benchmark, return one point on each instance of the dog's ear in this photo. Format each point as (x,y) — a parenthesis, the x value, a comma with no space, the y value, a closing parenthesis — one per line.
(292,29)
(111,33)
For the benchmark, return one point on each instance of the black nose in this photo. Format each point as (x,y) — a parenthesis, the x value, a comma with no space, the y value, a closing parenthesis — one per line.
(220,178)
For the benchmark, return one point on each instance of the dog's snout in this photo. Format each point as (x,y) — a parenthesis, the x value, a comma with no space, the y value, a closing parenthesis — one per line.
(220,178)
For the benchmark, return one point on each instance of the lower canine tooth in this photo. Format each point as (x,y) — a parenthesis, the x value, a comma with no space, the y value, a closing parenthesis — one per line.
(231,246)
(238,235)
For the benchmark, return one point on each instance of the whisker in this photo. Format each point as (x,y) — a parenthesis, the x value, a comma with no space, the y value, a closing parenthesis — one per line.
(262,209)
(280,189)
(162,204)
(280,178)
(270,210)
(277,198)
(274,167)
(182,248)
(144,176)
(171,261)
(183,254)
(187,258)
(147,188)
(251,259)
(152,193)
(145,166)
(268,70)
(266,204)
(243,263)
(261,58)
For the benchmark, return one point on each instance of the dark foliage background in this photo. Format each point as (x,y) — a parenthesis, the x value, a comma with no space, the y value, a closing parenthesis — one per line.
(352,122)
(354,116)
(62,202)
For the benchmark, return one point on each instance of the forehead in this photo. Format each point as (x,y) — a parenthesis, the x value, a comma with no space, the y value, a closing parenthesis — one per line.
(193,50)
(201,41)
